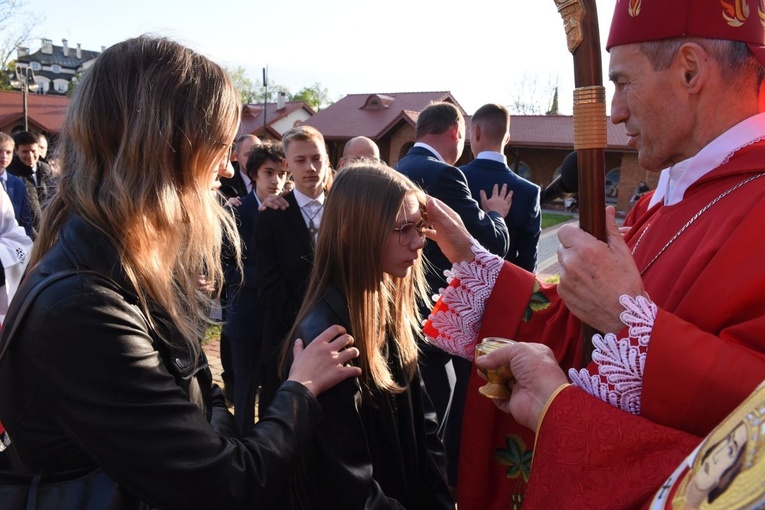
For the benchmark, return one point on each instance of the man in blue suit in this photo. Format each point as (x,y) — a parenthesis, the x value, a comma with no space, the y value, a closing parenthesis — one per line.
(440,139)
(489,133)
(14,186)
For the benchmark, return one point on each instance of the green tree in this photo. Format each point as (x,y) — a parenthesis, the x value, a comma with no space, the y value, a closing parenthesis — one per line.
(249,91)
(6,73)
(253,92)
(316,96)
(73,83)
(16,25)
(243,84)
(273,90)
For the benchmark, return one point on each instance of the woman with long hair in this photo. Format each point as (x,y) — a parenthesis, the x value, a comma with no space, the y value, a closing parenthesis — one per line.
(106,369)
(377,447)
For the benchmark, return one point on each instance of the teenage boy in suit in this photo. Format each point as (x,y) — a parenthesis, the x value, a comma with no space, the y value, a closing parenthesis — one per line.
(284,245)
(244,314)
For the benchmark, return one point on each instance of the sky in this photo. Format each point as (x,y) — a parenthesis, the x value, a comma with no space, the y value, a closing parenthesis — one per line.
(485,51)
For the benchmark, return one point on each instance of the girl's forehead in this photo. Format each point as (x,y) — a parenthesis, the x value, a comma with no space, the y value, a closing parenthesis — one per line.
(410,207)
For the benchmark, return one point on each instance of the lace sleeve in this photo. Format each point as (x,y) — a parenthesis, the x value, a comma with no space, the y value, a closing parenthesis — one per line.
(455,322)
(621,362)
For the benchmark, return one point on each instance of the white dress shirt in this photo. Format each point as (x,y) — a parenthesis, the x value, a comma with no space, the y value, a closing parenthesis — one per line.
(675,180)
(312,208)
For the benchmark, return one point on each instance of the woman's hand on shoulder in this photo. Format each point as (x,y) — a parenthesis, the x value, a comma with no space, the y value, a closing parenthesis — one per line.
(323,364)
(274,202)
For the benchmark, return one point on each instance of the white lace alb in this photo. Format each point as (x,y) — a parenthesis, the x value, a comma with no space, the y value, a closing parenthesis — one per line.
(458,325)
(621,362)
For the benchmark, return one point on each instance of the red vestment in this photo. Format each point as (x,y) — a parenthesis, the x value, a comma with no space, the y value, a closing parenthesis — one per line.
(706,346)
(590,455)
(639,209)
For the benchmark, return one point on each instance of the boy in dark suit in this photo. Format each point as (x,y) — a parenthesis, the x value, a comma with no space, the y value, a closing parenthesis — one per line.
(234,187)
(244,314)
(489,133)
(284,245)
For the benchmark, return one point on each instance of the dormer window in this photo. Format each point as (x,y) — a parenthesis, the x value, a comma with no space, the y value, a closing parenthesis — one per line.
(378,102)
(55,68)
(35,66)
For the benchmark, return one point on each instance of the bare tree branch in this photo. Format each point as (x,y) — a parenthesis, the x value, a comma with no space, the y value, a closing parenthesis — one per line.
(16,26)
(529,97)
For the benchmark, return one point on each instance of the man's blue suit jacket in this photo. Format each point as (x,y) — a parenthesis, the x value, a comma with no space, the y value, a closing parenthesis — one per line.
(524,220)
(17,192)
(448,184)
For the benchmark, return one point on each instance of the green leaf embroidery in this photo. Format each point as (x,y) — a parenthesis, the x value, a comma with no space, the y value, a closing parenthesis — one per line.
(537,303)
(515,457)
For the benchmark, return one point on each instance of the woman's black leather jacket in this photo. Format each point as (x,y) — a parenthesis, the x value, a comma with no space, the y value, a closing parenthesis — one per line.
(85,382)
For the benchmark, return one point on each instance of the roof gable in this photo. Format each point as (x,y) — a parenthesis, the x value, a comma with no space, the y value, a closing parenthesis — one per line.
(252,116)
(372,115)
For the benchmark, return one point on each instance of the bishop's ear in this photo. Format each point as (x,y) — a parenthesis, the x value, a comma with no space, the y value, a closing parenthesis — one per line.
(693,64)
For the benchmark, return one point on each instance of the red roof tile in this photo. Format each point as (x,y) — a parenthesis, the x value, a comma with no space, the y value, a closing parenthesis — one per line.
(47,111)
(556,131)
(372,115)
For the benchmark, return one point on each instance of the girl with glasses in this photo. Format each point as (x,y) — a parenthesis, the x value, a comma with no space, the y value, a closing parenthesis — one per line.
(377,446)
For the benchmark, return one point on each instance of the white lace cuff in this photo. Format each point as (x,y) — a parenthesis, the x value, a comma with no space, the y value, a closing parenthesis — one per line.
(459,321)
(621,362)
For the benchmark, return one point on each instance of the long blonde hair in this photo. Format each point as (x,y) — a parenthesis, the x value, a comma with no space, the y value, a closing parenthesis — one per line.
(359,216)
(145,130)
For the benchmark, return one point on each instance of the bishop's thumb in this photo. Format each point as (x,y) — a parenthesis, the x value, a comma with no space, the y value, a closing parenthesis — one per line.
(614,237)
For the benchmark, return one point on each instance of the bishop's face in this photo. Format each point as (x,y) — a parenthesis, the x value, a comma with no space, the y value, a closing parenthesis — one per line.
(650,105)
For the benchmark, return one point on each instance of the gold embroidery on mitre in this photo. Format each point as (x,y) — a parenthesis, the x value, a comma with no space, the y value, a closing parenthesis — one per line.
(634,7)
(761,12)
(735,12)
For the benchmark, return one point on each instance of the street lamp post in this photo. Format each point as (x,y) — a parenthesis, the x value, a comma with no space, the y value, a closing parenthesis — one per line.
(24,80)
